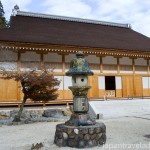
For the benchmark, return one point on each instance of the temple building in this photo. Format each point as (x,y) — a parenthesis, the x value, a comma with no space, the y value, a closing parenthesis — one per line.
(118,55)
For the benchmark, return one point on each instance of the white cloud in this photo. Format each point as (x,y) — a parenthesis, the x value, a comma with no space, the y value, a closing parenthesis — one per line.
(8,5)
(74,8)
(134,12)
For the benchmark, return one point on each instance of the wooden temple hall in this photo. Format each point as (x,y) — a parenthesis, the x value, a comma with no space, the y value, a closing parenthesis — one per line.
(118,55)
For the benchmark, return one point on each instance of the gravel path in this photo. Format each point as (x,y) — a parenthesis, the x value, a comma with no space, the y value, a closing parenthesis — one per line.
(127,130)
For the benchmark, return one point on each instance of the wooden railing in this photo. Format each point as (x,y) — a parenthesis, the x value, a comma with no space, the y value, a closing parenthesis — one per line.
(110,93)
(30,103)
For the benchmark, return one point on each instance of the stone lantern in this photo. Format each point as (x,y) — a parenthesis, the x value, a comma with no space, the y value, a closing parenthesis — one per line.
(79,70)
(80,131)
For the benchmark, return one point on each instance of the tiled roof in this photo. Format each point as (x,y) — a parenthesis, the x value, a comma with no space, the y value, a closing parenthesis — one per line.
(22,13)
(49,29)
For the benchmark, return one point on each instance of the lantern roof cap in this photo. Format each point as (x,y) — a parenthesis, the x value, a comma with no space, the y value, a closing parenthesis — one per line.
(79,66)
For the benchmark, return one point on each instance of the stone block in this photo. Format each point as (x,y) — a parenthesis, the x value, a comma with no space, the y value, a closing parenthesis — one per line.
(56,113)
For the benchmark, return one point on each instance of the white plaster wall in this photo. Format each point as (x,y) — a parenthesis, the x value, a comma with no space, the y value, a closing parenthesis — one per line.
(93,59)
(90,59)
(66,70)
(9,66)
(141,62)
(96,71)
(118,82)
(101,82)
(8,55)
(52,57)
(60,78)
(67,82)
(109,60)
(145,81)
(28,69)
(148,82)
(67,67)
(128,72)
(109,71)
(57,70)
(125,61)
(141,69)
(49,66)
(126,69)
(141,72)
(28,64)
(69,57)
(30,56)
(94,67)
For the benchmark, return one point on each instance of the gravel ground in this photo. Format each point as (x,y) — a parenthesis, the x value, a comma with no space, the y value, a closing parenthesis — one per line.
(123,131)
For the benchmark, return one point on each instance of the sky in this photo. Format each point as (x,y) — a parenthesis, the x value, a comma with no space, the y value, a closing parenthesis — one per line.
(134,12)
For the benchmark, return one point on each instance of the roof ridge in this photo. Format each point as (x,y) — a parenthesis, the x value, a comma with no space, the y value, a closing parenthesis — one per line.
(40,15)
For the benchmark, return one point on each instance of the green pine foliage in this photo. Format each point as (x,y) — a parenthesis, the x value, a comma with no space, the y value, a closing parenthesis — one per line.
(1,10)
(3,22)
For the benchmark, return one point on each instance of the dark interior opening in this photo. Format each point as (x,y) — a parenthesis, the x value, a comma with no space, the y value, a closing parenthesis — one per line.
(82,80)
(110,83)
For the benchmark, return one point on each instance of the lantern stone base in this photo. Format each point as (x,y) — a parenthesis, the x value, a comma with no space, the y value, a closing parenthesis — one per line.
(78,119)
(80,136)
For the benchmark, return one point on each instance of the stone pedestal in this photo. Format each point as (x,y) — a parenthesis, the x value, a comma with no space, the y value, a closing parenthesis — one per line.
(80,120)
(80,136)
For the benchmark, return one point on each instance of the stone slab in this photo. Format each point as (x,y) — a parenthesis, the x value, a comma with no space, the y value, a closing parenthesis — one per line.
(121,108)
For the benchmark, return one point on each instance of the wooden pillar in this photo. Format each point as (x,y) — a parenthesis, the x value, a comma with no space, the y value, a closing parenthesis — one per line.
(133,64)
(134,88)
(42,66)
(18,83)
(63,63)
(118,65)
(63,70)
(19,61)
(101,64)
(148,69)
(42,61)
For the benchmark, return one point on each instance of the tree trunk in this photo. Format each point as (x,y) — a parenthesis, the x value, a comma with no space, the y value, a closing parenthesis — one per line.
(18,116)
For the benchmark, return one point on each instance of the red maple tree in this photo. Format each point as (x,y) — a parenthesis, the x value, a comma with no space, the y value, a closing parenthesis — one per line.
(36,86)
